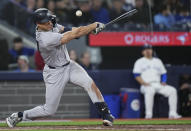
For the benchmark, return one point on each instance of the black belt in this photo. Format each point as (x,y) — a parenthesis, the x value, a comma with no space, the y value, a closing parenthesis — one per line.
(59,66)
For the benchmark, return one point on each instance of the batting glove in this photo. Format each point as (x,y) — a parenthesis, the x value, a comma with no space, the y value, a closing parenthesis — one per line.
(98,29)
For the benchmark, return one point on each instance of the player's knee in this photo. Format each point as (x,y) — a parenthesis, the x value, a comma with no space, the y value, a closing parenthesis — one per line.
(173,91)
(50,110)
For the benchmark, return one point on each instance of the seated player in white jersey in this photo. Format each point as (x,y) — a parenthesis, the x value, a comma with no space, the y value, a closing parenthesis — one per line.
(59,69)
(151,74)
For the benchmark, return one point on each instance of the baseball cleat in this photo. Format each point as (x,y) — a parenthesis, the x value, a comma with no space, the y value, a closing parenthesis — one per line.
(105,113)
(148,116)
(175,116)
(13,120)
(108,120)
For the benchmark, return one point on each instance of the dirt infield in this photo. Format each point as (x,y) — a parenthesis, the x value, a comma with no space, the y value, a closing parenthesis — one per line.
(115,127)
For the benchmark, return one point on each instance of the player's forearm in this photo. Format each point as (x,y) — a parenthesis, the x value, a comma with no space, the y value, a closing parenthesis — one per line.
(65,29)
(77,32)
(73,28)
(140,80)
(84,30)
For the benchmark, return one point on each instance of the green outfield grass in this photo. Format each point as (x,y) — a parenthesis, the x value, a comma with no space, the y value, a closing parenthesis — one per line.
(117,122)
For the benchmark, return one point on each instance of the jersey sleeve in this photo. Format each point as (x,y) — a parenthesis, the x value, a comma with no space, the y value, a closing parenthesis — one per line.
(162,68)
(137,68)
(51,39)
(59,27)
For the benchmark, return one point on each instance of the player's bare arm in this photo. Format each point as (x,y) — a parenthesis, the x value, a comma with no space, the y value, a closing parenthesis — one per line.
(64,29)
(163,83)
(141,81)
(78,32)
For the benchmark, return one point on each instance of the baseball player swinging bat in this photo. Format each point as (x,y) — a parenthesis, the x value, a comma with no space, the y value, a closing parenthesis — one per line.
(59,69)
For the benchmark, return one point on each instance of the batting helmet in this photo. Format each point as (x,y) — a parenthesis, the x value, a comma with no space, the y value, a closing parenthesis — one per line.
(43,15)
(147,46)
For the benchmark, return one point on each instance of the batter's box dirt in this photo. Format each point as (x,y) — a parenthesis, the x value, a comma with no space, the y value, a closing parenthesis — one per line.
(115,127)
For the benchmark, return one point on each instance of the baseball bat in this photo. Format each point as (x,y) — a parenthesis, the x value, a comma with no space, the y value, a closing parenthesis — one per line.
(123,16)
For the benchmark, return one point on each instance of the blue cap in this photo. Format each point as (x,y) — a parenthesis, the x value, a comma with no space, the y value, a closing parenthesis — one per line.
(147,46)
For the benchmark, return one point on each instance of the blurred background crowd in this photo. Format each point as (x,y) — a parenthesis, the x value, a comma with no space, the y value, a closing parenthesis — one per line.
(17,58)
(152,14)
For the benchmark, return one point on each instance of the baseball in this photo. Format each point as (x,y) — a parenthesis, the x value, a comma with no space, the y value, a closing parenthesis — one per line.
(78,13)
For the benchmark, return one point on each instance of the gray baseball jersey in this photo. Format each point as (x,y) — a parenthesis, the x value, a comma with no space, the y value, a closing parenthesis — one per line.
(56,55)
(49,44)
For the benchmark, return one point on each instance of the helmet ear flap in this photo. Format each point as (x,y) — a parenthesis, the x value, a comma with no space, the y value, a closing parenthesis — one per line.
(39,17)
(34,18)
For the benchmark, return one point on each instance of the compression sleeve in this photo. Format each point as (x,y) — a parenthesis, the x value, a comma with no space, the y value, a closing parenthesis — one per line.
(136,75)
(164,77)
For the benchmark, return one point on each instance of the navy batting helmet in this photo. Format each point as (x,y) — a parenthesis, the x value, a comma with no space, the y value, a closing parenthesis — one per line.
(147,46)
(43,15)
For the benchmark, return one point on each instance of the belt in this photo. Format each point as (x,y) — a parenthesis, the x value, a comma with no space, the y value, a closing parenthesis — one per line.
(51,67)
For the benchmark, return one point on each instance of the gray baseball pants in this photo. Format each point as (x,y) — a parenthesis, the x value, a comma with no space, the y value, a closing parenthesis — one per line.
(55,81)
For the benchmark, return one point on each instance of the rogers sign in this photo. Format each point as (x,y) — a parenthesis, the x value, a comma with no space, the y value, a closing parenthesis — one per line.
(130,39)
(140,38)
